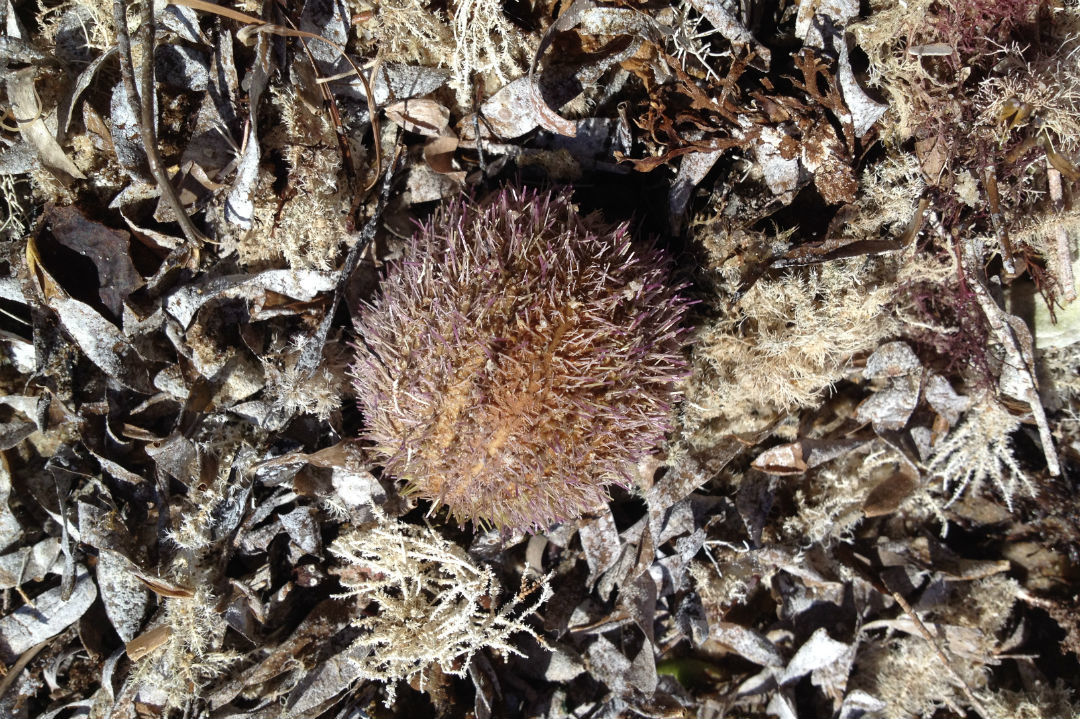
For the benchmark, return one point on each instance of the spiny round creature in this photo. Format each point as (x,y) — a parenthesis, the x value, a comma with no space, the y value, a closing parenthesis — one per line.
(520,359)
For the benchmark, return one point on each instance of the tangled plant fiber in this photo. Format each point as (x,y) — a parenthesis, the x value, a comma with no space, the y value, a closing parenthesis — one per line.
(520,359)
(436,606)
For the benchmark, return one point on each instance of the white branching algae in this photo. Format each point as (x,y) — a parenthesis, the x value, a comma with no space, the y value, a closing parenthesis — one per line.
(435,605)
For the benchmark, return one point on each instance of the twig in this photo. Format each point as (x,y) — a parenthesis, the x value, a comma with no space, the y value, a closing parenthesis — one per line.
(19,665)
(1061,238)
(335,116)
(258,25)
(975,703)
(143,107)
(1008,258)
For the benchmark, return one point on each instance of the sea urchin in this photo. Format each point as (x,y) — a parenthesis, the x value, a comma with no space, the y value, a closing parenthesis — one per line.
(520,359)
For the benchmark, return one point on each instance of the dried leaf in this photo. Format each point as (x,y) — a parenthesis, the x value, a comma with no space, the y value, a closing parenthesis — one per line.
(888,494)
(108,249)
(30,563)
(782,460)
(819,651)
(423,116)
(49,615)
(747,643)
(126,598)
(600,541)
(29,115)
(82,82)
(944,399)
(147,642)
(10,529)
(301,285)
(239,206)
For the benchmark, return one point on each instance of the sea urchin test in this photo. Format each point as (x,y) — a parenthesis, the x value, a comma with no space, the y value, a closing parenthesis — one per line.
(520,359)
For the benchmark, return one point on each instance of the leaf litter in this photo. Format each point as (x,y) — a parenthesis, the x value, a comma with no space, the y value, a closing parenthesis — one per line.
(865,505)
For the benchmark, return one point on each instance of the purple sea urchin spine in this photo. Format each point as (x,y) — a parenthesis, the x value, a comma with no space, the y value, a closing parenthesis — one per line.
(519,360)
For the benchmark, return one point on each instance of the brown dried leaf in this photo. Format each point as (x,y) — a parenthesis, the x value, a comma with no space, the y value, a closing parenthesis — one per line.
(108,249)
(781,460)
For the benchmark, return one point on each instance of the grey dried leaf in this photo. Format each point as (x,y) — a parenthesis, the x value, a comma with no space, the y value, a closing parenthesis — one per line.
(690,618)
(638,599)
(396,81)
(865,111)
(14,50)
(858,704)
(600,541)
(675,568)
(892,359)
(301,285)
(65,109)
(781,174)
(29,115)
(730,27)
(126,598)
(240,205)
(182,67)
(12,433)
(563,665)
(783,459)
(30,563)
(72,707)
(783,706)
(486,682)
(103,529)
(325,621)
(627,560)
(605,662)
(862,109)
(818,652)
(176,457)
(747,643)
(944,399)
(10,529)
(102,343)
(527,102)
(303,529)
(676,521)
(49,615)
(423,116)
(107,248)
(838,11)
(18,158)
(357,489)
(183,21)
(890,408)
(507,114)
(642,673)
(692,169)
(124,134)
(331,677)
(329,19)
(684,477)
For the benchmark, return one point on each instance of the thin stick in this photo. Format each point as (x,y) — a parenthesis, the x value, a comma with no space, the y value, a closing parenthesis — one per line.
(255,25)
(144,108)
(1061,238)
(975,703)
